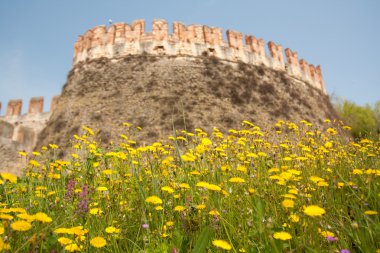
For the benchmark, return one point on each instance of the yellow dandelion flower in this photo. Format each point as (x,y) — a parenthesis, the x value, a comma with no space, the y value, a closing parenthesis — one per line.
(208,186)
(167,189)
(43,217)
(371,212)
(64,240)
(154,200)
(72,247)
(169,223)
(288,203)
(1,230)
(6,217)
(201,206)
(214,212)
(22,153)
(294,218)
(112,230)
(102,188)
(3,245)
(98,242)
(314,210)
(26,217)
(184,186)
(159,208)
(236,180)
(107,172)
(179,208)
(96,211)
(251,190)
(9,176)
(284,236)
(21,225)
(325,233)
(222,244)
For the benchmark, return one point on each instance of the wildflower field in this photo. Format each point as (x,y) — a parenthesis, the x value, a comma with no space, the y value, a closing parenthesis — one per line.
(292,189)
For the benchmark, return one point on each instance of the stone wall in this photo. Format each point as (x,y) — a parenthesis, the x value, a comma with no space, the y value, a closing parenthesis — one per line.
(122,39)
(20,129)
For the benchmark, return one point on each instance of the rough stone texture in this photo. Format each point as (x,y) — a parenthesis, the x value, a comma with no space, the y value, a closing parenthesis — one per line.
(162,92)
(121,39)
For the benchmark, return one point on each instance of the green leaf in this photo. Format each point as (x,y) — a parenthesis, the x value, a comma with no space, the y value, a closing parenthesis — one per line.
(202,241)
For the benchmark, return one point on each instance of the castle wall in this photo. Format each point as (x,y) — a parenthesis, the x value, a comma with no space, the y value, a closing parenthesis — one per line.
(122,39)
(22,129)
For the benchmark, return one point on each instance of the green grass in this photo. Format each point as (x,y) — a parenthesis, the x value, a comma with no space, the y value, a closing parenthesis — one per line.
(208,187)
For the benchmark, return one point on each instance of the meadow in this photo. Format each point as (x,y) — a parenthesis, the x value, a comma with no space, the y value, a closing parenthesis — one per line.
(291,189)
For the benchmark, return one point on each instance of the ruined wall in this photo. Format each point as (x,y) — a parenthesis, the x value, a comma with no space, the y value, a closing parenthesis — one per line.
(122,39)
(21,130)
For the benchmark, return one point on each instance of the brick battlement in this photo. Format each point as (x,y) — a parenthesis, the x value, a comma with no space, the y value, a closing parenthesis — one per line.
(36,105)
(21,130)
(121,39)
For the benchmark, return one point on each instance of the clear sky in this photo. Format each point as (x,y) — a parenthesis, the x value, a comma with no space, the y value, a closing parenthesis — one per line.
(37,37)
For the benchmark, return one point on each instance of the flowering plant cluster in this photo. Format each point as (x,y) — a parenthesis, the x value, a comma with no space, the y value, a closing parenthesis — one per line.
(292,189)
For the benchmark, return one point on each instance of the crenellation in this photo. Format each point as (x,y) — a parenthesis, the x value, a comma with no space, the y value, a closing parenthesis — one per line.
(213,36)
(277,57)
(256,46)
(305,71)
(235,39)
(119,33)
(98,38)
(135,31)
(293,66)
(54,102)
(160,30)
(36,105)
(14,107)
(23,129)
(121,39)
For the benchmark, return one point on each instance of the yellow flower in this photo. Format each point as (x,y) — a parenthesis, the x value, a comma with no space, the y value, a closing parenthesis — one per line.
(22,153)
(26,217)
(371,212)
(208,186)
(72,247)
(159,208)
(284,236)
(214,212)
(179,208)
(96,211)
(102,188)
(201,206)
(325,233)
(314,210)
(294,218)
(42,217)
(236,180)
(3,245)
(222,244)
(288,203)
(167,189)
(98,242)
(9,176)
(1,230)
(107,172)
(184,186)
(154,200)
(64,240)
(21,225)
(111,230)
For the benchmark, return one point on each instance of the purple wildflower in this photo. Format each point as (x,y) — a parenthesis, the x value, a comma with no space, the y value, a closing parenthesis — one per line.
(331,238)
(145,225)
(83,201)
(70,188)
(344,251)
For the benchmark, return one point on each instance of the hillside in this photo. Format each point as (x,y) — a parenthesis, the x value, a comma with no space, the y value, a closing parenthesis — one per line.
(159,93)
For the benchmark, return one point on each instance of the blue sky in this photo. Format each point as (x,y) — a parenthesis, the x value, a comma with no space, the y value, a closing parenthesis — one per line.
(37,37)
